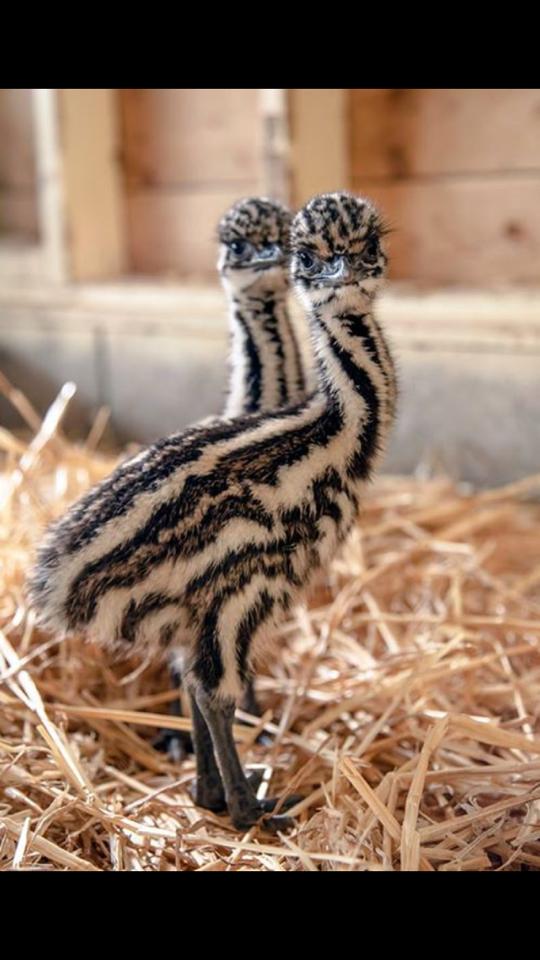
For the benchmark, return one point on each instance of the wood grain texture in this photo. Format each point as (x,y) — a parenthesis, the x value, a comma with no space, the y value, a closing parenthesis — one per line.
(190,136)
(17,164)
(457,172)
(319,132)
(92,183)
(174,232)
(18,189)
(18,215)
(186,156)
(478,233)
(407,133)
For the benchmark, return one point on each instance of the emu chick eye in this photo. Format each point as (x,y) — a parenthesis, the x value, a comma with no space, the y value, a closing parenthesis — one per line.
(307,260)
(238,247)
(371,249)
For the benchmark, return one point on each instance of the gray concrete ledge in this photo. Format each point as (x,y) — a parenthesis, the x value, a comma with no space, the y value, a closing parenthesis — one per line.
(156,354)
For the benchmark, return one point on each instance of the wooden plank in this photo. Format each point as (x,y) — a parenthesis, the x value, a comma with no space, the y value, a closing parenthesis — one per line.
(92,183)
(175,232)
(22,266)
(501,321)
(18,214)
(18,190)
(17,159)
(320,152)
(411,132)
(190,136)
(275,144)
(50,265)
(42,262)
(478,232)
(78,197)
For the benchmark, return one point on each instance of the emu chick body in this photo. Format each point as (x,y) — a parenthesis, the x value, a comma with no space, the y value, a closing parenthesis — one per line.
(205,539)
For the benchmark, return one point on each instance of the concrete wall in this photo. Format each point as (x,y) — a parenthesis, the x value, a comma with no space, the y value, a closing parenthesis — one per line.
(470,396)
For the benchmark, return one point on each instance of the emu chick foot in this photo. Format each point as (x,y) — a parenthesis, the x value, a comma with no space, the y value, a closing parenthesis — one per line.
(209,793)
(257,813)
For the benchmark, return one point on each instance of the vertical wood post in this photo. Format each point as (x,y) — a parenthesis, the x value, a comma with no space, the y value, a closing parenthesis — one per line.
(319,142)
(275,151)
(50,192)
(94,207)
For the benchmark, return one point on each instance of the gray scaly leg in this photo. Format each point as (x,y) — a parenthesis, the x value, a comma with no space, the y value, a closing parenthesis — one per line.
(208,792)
(244,808)
(178,743)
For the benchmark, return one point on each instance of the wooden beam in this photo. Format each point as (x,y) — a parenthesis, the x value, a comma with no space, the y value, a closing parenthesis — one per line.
(275,146)
(187,155)
(319,153)
(18,186)
(412,133)
(94,210)
(79,192)
(50,187)
(41,262)
(451,174)
(461,232)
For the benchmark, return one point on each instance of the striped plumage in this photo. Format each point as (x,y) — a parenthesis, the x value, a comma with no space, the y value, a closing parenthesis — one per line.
(265,362)
(206,538)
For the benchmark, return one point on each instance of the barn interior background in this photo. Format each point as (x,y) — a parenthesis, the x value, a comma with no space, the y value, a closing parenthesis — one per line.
(108,206)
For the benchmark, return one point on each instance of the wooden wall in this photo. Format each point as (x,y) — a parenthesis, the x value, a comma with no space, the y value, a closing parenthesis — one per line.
(318,127)
(186,155)
(18,197)
(457,172)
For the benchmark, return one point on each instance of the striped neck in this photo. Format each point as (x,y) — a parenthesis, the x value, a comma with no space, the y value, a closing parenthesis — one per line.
(265,363)
(355,372)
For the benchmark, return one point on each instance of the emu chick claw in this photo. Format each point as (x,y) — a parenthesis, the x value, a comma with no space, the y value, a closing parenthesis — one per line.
(259,815)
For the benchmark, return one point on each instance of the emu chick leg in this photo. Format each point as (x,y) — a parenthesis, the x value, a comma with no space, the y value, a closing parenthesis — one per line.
(178,743)
(209,792)
(243,806)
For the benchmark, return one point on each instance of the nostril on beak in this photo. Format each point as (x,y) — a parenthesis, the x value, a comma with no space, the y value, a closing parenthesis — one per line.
(339,269)
(269,253)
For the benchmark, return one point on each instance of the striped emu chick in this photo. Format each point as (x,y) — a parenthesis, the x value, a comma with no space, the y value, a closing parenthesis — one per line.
(206,538)
(265,362)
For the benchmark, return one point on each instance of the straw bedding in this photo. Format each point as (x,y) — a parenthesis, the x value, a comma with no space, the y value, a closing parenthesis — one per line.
(404,705)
